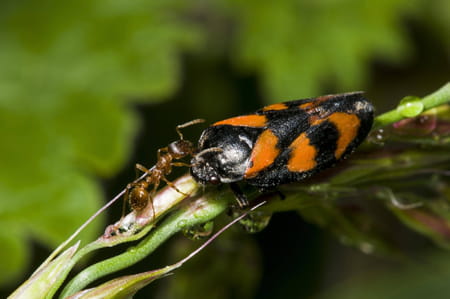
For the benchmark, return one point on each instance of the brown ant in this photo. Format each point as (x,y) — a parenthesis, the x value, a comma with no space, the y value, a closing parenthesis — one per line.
(137,193)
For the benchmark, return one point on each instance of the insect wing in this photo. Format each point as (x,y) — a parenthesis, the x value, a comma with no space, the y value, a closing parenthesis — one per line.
(306,136)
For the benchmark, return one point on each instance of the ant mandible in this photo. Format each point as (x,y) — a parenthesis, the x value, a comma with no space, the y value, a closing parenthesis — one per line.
(137,193)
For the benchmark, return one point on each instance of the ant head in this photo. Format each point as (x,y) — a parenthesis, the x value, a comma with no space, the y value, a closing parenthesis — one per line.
(181,148)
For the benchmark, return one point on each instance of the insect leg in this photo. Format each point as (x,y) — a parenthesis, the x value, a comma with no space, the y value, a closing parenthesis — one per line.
(180,164)
(171,185)
(142,168)
(240,196)
(189,123)
(125,199)
(272,191)
(150,202)
(161,151)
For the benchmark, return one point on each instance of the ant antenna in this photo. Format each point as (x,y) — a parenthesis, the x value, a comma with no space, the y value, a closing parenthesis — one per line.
(189,123)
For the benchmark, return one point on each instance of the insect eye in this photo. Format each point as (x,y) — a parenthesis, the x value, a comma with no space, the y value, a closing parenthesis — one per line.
(214,180)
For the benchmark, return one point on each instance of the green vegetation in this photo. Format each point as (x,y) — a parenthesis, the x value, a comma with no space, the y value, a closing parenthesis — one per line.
(74,73)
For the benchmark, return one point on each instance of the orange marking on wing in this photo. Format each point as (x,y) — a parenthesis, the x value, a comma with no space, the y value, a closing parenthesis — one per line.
(264,153)
(316,102)
(303,155)
(252,120)
(279,106)
(347,126)
(325,98)
(306,105)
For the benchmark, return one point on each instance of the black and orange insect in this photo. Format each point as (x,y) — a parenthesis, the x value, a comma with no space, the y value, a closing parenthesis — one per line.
(137,193)
(282,143)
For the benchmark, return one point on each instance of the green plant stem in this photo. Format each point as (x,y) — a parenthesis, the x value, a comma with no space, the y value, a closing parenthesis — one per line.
(439,97)
(210,207)
(200,211)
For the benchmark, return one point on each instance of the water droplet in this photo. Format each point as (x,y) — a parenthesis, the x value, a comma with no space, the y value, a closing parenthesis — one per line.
(410,106)
(256,221)
(377,136)
(317,187)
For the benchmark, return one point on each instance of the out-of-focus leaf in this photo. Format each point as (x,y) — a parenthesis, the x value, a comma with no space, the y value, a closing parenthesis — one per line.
(427,278)
(353,224)
(435,15)
(43,284)
(427,223)
(298,45)
(68,69)
(350,200)
(432,217)
(49,211)
(15,253)
(237,269)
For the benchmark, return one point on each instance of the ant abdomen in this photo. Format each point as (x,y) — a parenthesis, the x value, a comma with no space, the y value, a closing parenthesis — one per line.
(138,198)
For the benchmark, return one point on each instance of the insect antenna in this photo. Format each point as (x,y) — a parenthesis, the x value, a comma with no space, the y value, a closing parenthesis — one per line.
(189,123)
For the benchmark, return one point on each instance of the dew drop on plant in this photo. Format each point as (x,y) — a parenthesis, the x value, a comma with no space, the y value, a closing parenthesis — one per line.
(410,106)
(200,231)
(255,221)
(377,136)
(318,187)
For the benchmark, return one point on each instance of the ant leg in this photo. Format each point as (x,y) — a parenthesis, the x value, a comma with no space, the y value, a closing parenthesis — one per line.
(171,185)
(240,196)
(150,202)
(189,123)
(180,164)
(280,194)
(161,151)
(272,191)
(125,199)
(142,168)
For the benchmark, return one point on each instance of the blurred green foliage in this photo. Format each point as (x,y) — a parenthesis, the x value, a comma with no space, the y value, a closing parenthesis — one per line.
(427,278)
(298,46)
(69,70)
(239,263)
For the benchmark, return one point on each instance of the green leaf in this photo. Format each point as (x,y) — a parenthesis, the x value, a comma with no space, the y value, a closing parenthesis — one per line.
(68,71)
(238,269)
(123,287)
(16,255)
(45,282)
(202,208)
(296,46)
(427,277)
